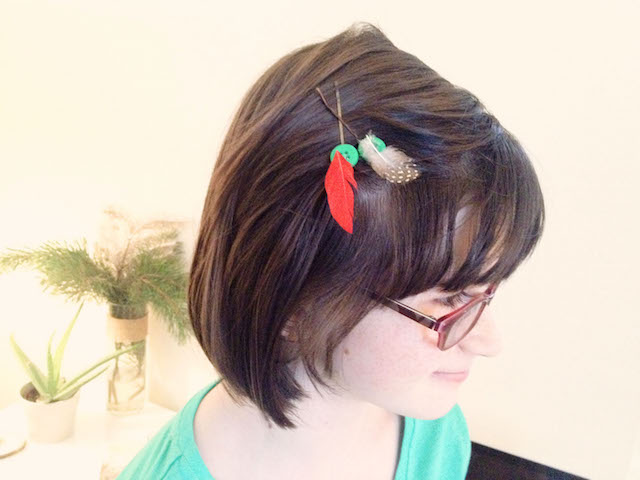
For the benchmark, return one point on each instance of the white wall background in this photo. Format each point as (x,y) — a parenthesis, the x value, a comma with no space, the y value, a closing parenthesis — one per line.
(126,102)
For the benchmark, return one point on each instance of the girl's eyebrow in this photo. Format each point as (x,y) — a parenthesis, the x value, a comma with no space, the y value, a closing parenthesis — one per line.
(478,290)
(436,294)
(473,291)
(439,293)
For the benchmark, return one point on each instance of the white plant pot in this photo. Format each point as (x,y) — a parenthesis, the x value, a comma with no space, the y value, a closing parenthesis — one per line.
(48,422)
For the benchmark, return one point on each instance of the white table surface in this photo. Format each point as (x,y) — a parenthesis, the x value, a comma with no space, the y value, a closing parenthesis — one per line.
(102,442)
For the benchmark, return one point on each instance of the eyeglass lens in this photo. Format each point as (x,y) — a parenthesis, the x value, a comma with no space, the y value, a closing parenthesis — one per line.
(456,328)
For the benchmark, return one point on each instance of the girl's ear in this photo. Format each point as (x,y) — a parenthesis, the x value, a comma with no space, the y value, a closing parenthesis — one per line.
(290,345)
(288,332)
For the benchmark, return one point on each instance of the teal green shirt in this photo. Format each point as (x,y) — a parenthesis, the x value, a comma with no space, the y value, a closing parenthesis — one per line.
(437,449)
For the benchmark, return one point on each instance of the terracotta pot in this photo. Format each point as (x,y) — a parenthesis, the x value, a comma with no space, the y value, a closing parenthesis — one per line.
(48,422)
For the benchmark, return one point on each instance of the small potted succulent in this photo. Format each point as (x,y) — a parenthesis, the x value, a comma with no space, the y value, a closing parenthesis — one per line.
(50,400)
(134,265)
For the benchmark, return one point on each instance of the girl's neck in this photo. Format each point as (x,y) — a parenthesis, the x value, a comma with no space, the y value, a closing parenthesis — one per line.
(335,435)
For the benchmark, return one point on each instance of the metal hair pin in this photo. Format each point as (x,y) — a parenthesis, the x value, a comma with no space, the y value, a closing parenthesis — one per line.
(387,161)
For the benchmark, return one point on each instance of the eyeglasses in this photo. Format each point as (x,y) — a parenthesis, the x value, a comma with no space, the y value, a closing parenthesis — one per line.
(453,326)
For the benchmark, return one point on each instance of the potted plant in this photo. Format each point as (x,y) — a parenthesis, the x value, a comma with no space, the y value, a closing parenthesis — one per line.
(134,265)
(50,400)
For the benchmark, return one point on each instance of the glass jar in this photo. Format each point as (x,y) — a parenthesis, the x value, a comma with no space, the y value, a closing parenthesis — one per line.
(126,377)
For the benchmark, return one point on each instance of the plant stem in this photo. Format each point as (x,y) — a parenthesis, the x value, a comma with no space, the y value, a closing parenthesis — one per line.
(136,393)
(112,381)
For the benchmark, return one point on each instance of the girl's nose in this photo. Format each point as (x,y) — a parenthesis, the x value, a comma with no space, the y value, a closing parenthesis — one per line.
(484,339)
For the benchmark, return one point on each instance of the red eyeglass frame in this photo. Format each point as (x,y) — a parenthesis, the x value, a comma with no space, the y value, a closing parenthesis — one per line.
(439,323)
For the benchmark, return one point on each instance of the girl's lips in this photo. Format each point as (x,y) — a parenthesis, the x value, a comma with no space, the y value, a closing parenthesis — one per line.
(452,376)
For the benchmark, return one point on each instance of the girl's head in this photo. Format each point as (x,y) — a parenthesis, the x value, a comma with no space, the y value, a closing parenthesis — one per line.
(271,260)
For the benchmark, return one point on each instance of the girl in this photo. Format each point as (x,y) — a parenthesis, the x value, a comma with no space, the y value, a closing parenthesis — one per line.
(343,314)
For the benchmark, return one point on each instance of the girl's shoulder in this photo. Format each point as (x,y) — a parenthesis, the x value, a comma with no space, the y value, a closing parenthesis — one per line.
(171,454)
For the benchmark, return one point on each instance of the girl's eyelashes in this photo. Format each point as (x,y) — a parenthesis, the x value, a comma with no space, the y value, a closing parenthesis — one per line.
(455,300)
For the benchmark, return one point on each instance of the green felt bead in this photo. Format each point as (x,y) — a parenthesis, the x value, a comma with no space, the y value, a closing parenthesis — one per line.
(379,144)
(349,153)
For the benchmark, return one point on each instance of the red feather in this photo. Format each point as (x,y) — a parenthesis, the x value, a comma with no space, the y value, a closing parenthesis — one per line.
(339,192)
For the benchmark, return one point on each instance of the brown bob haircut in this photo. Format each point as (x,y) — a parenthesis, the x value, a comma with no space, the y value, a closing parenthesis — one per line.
(268,249)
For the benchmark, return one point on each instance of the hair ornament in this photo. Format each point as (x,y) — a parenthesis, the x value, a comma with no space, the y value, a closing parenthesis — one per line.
(388,162)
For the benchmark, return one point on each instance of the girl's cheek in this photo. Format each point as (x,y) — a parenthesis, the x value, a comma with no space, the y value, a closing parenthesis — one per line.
(429,337)
(384,351)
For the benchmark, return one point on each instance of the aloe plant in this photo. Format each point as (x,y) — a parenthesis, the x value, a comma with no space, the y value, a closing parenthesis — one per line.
(51,386)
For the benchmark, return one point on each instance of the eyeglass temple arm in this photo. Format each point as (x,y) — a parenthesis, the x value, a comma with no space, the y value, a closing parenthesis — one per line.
(427,320)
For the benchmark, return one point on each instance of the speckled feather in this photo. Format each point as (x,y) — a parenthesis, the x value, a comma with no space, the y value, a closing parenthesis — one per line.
(391,164)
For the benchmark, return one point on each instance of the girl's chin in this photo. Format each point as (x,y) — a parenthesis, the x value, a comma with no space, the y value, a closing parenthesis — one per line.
(435,413)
